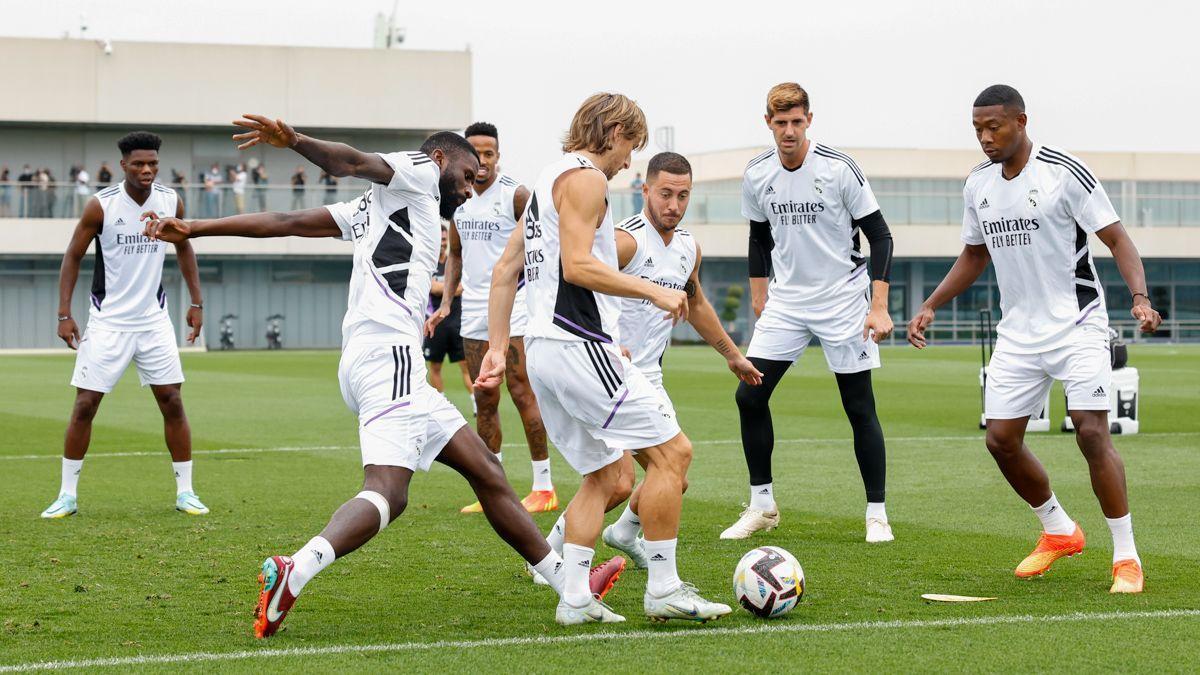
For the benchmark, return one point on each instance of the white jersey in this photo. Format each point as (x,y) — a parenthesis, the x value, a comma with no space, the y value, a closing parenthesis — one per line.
(816,259)
(644,332)
(127,292)
(1035,227)
(557,308)
(484,224)
(397,233)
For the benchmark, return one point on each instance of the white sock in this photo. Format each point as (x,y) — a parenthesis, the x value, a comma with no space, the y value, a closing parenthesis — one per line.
(577,561)
(627,527)
(558,534)
(876,510)
(553,571)
(313,557)
(663,577)
(1122,534)
(541,475)
(762,497)
(183,476)
(1054,517)
(70,476)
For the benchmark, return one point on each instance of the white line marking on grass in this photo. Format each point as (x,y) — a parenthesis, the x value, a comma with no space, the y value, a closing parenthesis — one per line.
(759,629)
(716,441)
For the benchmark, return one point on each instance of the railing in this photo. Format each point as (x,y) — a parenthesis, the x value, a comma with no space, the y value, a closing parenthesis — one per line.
(708,205)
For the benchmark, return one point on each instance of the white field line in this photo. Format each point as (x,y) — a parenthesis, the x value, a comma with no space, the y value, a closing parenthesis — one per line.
(758,629)
(717,441)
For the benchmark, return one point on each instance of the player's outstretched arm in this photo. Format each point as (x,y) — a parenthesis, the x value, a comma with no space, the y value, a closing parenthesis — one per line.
(337,159)
(878,325)
(451,278)
(317,222)
(581,197)
(704,319)
(970,264)
(90,222)
(190,270)
(759,256)
(500,304)
(1129,262)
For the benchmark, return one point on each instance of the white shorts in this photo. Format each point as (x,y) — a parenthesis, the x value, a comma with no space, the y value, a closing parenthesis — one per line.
(782,334)
(475,327)
(105,354)
(402,420)
(595,403)
(1017,384)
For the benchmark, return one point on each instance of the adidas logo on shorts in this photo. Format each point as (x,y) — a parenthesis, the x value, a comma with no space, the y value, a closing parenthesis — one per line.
(863,356)
(983,204)
(1099,393)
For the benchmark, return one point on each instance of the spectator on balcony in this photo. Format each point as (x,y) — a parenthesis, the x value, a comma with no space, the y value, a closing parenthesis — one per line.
(103,177)
(330,184)
(26,180)
(46,187)
(298,182)
(212,192)
(83,191)
(259,177)
(636,186)
(5,193)
(239,188)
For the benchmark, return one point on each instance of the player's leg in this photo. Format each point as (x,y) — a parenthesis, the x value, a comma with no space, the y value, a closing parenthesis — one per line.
(542,496)
(1086,372)
(1016,388)
(620,495)
(487,407)
(75,446)
(435,375)
(758,443)
(467,383)
(434,350)
(858,400)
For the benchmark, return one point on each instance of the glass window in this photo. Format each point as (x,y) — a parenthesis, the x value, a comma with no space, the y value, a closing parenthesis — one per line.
(1187,302)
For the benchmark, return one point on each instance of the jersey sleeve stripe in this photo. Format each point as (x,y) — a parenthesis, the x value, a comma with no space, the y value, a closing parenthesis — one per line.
(1074,172)
(844,156)
(1070,160)
(820,150)
(981,166)
(764,156)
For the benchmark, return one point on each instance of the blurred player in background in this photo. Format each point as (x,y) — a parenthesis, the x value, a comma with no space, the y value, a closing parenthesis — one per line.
(128,318)
(1029,209)
(480,229)
(594,401)
(404,423)
(808,206)
(445,342)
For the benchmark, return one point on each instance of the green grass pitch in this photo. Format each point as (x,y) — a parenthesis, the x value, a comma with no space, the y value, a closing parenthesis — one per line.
(131,577)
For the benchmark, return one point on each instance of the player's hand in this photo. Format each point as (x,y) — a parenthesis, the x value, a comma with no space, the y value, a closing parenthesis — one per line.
(439,315)
(170,230)
(878,326)
(625,352)
(276,133)
(195,319)
(491,370)
(1147,315)
(758,304)
(917,326)
(68,332)
(745,370)
(671,301)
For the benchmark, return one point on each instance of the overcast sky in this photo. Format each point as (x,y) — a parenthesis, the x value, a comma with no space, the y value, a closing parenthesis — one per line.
(1096,75)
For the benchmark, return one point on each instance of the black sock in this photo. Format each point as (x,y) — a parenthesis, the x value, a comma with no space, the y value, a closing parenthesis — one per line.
(758,435)
(858,399)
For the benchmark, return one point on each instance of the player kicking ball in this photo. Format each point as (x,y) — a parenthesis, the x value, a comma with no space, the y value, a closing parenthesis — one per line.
(478,233)
(404,423)
(651,245)
(808,206)
(1029,209)
(593,400)
(127,319)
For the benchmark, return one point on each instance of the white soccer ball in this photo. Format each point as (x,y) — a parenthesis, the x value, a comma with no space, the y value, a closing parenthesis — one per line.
(768,582)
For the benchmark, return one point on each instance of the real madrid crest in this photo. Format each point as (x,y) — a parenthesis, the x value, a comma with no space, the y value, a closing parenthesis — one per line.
(1033,199)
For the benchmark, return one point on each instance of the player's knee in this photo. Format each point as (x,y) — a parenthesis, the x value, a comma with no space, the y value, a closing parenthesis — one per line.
(859,410)
(751,398)
(623,489)
(486,401)
(1002,446)
(685,483)
(1092,436)
(170,402)
(85,409)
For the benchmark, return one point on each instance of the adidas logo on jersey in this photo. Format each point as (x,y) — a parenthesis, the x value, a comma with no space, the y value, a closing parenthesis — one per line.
(649,262)
(983,204)
(119,223)
(770,190)
(1099,393)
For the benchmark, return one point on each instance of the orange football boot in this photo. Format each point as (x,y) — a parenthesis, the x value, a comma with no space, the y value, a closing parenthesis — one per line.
(1127,577)
(540,501)
(1050,547)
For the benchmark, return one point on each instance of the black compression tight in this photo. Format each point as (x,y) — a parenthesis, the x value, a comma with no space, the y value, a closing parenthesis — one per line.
(858,400)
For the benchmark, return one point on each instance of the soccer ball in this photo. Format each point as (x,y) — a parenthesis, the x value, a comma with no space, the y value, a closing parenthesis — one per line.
(768,582)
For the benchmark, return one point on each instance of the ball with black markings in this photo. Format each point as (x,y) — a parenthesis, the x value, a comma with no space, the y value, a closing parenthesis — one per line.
(768,582)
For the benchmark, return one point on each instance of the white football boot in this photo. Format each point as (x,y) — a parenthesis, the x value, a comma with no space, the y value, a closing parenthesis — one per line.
(593,612)
(752,520)
(878,531)
(683,603)
(636,551)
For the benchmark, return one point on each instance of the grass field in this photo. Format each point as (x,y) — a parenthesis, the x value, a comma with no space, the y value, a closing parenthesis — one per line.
(129,577)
